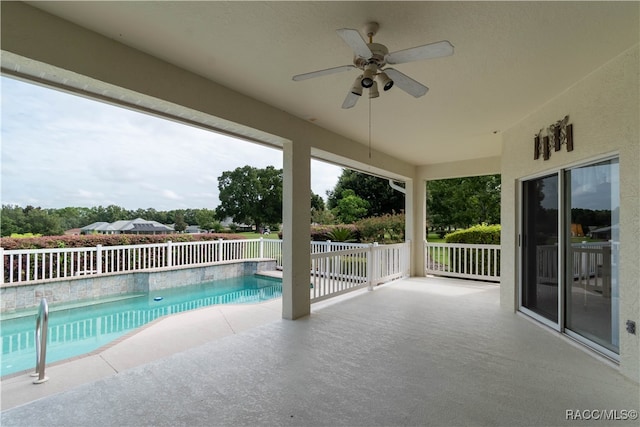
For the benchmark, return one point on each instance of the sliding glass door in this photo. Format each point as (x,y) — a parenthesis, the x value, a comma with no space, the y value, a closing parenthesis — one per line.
(539,242)
(570,242)
(592,207)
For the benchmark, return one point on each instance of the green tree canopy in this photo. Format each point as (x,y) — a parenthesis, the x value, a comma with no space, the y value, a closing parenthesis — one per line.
(180,224)
(350,207)
(207,219)
(49,222)
(462,202)
(317,203)
(250,195)
(381,198)
(12,220)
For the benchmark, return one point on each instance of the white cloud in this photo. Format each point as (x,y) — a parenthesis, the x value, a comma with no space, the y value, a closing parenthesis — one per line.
(168,194)
(62,150)
(85,194)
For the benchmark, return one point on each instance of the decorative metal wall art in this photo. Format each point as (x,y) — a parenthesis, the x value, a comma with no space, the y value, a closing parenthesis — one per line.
(556,134)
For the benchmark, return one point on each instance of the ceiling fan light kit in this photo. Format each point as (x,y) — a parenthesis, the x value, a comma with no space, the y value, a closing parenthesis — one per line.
(369,75)
(373,91)
(386,82)
(371,58)
(356,89)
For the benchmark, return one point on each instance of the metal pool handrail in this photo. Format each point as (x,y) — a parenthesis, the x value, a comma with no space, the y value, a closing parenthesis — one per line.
(42,325)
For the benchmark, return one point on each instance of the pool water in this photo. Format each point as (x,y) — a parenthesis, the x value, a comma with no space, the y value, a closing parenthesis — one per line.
(80,328)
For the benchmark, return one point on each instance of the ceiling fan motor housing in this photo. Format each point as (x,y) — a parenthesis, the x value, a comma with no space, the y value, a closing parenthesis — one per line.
(379,52)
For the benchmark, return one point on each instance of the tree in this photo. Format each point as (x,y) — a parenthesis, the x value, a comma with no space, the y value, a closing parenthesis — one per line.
(39,221)
(250,195)
(206,219)
(179,223)
(319,213)
(381,198)
(317,203)
(350,207)
(462,202)
(116,213)
(12,220)
(72,217)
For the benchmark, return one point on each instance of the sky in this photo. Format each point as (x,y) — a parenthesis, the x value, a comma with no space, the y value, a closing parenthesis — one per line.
(61,150)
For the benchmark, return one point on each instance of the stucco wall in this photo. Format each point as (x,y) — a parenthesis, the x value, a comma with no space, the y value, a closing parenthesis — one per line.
(604,110)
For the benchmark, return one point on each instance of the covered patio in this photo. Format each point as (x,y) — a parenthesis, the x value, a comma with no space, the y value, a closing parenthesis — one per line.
(421,351)
(413,352)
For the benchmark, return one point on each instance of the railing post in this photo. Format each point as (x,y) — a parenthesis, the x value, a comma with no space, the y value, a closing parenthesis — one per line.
(3,269)
(261,252)
(370,267)
(99,259)
(169,256)
(328,246)
(220,252)
(377,260)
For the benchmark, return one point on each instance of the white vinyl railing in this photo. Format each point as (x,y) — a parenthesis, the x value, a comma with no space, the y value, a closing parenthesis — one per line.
(33,265)
(591,264)
(24,266)
(329,246)
(338,272)
(336,267)
(480,262)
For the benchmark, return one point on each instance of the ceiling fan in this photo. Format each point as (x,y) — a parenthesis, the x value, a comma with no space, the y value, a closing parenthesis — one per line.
(372,57)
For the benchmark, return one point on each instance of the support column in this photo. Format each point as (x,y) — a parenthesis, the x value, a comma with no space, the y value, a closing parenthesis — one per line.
(416,203)
(296,218)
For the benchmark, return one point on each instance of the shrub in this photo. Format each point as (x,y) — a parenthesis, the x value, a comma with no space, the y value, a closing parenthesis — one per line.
(382,229)
(341,234)
(107,240)
(478,235)
(324,232)
(24,235)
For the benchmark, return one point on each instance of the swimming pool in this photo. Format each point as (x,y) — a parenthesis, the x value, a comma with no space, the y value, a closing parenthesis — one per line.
(80,328)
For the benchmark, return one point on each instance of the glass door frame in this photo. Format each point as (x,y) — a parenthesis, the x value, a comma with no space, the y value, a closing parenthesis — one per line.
(562,225)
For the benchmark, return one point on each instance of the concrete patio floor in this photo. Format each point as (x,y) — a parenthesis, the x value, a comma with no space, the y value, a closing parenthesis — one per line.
(414,352)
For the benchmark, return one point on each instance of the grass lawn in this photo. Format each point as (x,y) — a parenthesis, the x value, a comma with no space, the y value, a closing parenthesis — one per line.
(247,235)
(435,238)
(441,257)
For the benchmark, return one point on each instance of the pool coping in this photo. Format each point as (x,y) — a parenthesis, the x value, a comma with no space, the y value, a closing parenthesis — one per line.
(232,319)
(18,388)
(107,346)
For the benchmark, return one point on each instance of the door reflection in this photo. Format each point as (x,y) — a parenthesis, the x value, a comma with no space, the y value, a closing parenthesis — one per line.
(592,252)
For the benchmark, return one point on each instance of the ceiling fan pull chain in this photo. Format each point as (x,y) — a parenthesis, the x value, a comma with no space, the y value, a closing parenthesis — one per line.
(369,128)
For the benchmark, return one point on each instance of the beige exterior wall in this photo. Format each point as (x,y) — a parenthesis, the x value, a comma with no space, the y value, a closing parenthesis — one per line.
(604,111)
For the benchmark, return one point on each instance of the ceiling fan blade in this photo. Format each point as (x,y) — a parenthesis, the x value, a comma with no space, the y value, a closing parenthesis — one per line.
(321,73)
(406,83)
(350,100)
(355,42)
(427,51)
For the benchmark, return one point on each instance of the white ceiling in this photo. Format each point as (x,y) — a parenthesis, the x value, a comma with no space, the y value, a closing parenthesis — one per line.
(510,58)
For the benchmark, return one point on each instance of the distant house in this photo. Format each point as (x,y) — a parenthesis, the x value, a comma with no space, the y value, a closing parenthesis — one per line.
(603,233)
(194,229)
(73,232)
(134,226)
(228,221)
